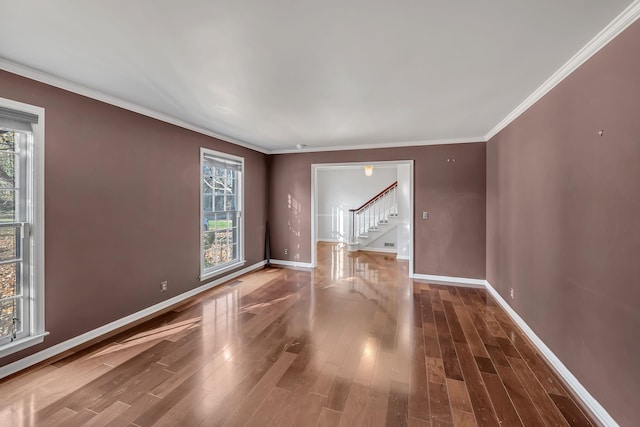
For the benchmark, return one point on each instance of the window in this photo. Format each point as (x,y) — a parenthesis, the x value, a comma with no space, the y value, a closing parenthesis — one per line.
(222,247)
(21,226)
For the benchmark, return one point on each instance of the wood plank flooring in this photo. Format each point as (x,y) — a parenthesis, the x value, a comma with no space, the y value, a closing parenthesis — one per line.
(353,342)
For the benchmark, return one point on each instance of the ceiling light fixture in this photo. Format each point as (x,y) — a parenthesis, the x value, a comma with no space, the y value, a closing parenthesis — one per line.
(368,170)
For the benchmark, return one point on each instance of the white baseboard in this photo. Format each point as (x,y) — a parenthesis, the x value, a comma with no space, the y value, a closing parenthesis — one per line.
(331,240)
(454,281)
(380,250)
(570,380)
(404,257)
(54,350)
(295,264)
(592,405)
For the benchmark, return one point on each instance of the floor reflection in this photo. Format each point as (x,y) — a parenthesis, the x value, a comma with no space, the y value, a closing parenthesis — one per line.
(352,342)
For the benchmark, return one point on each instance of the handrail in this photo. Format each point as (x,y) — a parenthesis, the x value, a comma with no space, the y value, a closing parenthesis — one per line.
(374,198)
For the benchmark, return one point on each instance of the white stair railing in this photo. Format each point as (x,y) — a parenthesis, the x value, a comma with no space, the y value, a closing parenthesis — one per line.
(376,210)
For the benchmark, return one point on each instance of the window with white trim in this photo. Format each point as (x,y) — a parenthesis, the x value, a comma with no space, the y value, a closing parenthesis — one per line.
(221,218)
(21,226)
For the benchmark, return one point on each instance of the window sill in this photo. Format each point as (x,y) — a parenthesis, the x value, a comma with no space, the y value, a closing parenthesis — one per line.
(208,275)
(22,343)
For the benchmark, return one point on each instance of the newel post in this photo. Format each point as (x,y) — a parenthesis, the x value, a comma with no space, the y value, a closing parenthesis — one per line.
(353,240)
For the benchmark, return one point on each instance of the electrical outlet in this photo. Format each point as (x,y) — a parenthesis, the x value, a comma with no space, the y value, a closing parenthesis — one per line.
(512,293)
(163,286)
(286,251)
(425,215)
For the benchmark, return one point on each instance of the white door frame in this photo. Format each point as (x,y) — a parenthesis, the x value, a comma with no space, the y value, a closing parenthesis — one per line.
(314,200)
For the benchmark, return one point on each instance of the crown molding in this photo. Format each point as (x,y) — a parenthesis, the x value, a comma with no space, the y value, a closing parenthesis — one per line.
(615,27)
(70,86)
(46,78)
(382,145)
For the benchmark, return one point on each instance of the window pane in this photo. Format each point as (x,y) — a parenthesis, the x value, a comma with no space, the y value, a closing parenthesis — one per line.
(7,140)
(222,221)
(219,203)
(19,293)
(219,182)
(8,311)
(7,169)
(207,202)
(8,282)
(8,247)
(217,248)
(207,186)
(7,206)
(230,204)
(209,250)
(207,221)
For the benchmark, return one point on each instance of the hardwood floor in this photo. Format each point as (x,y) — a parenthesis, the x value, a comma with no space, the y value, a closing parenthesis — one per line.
(354,342)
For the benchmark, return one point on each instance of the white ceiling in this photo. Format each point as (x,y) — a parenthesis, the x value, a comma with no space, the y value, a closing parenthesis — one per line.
(277,73)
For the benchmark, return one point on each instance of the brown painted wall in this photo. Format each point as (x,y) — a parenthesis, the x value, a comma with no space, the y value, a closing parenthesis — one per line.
(563,222)
(450,243)
(122,208)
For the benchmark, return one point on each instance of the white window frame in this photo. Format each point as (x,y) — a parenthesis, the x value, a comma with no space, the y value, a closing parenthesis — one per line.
(207,273)
(35,217)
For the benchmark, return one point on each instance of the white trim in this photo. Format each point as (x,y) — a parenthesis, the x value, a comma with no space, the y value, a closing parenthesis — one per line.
(294,264)
(381,145)
(215,271)
(615,27)
(314,205)
(43,77)
(61,83)
(570,380)
(315,167)
(591,404)
(37,228)
(332,240)
(380,250)
(402,257)
(21,344)
(222,270)
(45,354)
(36,218)
(355,166)
(453,281)
(411,218)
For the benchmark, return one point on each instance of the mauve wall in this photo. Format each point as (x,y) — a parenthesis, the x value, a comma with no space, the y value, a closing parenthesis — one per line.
(450,243)
(563,222)
(122,208)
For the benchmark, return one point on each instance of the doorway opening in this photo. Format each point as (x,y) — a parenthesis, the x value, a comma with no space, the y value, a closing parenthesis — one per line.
(366,206)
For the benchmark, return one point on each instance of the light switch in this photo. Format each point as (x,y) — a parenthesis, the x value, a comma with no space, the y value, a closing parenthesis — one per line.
(425,215)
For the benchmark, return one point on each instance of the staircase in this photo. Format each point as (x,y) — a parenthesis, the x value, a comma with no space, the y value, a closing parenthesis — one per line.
(374,218)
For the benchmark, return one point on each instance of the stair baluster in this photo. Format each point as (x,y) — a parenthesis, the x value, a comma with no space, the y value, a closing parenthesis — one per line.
(372,213)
